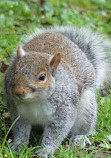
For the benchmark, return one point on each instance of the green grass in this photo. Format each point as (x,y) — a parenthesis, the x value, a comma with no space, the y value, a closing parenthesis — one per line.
(18,18)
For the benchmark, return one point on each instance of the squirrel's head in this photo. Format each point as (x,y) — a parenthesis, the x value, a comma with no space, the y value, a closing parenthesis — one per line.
(34,76)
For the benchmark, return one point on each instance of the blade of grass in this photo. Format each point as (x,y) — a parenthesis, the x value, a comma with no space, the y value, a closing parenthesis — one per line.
(9,132)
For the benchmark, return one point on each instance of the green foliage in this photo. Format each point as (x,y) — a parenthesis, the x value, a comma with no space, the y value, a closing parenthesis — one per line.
(20,17)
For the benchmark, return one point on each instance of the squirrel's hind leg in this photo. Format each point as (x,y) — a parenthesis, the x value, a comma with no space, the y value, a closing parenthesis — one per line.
(86,118)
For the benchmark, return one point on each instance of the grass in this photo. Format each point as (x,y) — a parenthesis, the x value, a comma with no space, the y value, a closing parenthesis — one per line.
(18,18)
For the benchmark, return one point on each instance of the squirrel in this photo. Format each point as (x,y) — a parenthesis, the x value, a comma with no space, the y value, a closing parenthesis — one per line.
(52,83)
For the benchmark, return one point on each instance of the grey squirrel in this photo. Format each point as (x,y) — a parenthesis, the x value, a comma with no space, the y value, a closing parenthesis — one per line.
(52,83)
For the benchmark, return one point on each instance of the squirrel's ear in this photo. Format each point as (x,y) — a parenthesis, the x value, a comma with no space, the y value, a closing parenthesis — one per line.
(20,52)
(54,62)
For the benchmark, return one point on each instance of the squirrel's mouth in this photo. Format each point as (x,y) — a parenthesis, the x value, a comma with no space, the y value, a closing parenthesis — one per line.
(25,93)
(26,98)
(22,91)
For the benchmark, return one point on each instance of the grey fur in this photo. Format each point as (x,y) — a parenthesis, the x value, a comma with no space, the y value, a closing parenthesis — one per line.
(70,106)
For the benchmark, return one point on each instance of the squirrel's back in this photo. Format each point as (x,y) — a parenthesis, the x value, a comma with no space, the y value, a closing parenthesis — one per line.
(96,47)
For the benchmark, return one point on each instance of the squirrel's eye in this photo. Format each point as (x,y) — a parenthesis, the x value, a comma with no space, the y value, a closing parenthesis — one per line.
(42,77)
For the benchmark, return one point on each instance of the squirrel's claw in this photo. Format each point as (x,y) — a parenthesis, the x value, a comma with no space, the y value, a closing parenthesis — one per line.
(16,147)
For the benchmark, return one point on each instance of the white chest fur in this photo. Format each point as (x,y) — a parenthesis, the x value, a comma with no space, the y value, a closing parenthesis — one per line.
(38,113)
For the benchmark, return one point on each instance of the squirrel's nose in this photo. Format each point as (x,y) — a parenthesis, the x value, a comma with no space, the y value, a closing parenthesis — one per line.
(21,91)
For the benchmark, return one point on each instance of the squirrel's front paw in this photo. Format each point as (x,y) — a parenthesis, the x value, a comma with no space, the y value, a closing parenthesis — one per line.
(81,140)
(16,147)
(41,153)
